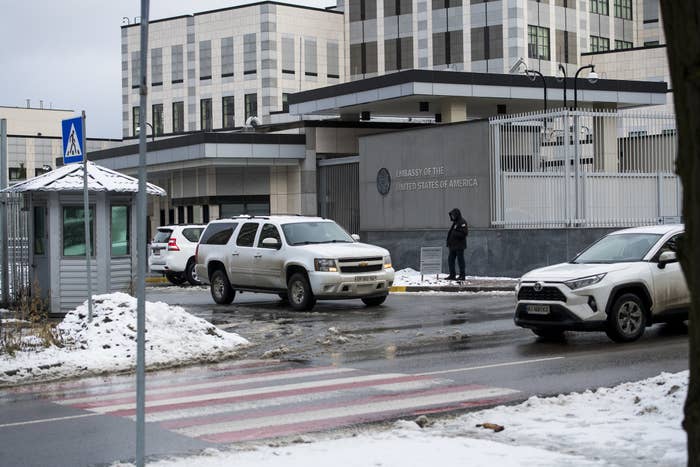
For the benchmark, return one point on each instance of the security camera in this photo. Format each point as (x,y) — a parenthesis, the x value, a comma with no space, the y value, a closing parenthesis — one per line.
(252,122)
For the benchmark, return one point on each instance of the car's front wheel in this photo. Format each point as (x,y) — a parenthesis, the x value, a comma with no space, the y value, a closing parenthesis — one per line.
(627,319)
(191,273)
(374,301)
(299,292)
(176,278)
(221,290)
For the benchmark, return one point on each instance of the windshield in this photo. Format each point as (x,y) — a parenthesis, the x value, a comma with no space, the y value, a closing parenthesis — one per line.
(619,248)
(306,233)
(162,236)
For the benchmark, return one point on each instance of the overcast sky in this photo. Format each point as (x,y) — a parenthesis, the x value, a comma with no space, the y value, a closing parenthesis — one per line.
(68,53)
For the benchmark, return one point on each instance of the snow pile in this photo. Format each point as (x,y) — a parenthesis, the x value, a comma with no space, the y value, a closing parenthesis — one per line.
(633,424)
(108,343)
(411,277)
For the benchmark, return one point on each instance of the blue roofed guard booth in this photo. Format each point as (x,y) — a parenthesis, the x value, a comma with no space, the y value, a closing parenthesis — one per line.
(56,232)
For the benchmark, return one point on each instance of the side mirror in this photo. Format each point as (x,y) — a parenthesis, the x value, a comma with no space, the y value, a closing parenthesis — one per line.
(270,242)
(355,237)
(667,257)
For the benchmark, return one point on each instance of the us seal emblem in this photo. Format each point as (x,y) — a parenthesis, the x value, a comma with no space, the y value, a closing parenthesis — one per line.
(383,181)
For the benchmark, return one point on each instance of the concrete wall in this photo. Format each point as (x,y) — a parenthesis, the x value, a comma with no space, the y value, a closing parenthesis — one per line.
(432,171)
(490,252)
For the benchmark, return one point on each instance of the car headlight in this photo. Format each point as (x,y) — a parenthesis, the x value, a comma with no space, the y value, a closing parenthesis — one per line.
(584,281)
(387,262)
(325,265)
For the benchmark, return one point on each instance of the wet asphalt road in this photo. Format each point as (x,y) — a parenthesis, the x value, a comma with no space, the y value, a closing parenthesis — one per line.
(459,335)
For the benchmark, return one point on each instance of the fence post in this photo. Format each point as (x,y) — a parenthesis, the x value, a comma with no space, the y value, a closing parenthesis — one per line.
(577,155)
(496,154)
(659,197)
(567,218)
(4,260)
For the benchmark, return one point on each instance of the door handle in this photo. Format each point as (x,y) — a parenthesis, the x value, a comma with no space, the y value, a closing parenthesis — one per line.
(257,256)
(235,254)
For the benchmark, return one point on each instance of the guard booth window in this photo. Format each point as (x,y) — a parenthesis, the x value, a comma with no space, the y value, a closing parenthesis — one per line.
(39,230)
(74,231)
(119,229)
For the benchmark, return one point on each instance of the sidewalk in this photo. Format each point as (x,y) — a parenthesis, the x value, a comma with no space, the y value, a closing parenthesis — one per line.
(409,280)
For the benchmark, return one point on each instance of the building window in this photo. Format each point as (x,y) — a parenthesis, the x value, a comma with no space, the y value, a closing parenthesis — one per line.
(226,57)
(566,47)
(651,11)
(177,64)
(487,42)
(600,44)
(599,6)
(538,42)
(437,4)
(135,120)
(447,48)
(362,10)
(205,114)
(397,7)
(251,105)
(623,9)
(333,58)
(135,69)
(363,58)
(39,230)
(621,45)
(119,225)
(17,173)
(285,102)
(190,217)
(157,111)
(178,117)
(398,53)
(228,113)
(74,230)
(157,67)
(205,214)
(651,43)
(204,60)
(250,58)
(288,55)
(310,57)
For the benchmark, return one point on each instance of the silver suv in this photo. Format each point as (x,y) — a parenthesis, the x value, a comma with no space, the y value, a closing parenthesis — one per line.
(300,258)
(172,252)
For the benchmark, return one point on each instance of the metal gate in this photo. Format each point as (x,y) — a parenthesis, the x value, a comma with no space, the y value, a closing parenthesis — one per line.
(584,168)
(14,252)
(338,191)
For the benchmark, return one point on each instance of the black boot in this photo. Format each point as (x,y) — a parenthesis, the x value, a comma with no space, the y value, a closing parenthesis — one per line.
(460,277)
(451,277)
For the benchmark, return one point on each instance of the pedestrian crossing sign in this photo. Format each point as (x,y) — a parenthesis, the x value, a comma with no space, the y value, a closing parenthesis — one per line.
(72,140)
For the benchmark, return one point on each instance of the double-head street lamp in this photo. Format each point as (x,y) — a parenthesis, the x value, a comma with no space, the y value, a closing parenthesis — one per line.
(532,74)
(592,78)
(153,132)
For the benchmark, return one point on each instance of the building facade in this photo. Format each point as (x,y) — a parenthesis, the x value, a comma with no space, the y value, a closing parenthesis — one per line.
(213,70)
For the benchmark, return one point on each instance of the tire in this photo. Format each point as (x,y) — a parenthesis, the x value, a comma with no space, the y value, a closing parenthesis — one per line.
(191,273)
(176,278)
(220,288)
(627,319)
(299,292)
(374,301)
(553,334)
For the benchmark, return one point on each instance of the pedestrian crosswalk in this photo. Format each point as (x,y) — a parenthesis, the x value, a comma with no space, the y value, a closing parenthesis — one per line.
(252,400)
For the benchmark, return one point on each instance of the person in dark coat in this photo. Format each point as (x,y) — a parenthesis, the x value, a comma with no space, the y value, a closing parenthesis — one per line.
(457,243)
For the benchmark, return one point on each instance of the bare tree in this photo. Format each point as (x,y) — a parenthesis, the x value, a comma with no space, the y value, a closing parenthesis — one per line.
(682,27)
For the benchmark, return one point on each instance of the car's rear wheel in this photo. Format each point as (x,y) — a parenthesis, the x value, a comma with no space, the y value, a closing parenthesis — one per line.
(299,292)
(176,278)
(221,290)
(191,273)
(374,301)
(546,333)
(627,319)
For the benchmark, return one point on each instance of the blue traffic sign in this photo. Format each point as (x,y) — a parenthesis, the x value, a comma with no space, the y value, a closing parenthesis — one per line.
(72,140)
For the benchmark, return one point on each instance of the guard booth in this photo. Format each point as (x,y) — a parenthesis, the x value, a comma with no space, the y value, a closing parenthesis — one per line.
(56,233)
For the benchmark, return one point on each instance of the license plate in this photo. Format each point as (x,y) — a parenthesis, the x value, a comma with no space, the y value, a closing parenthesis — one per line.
(365,278)
(537,309)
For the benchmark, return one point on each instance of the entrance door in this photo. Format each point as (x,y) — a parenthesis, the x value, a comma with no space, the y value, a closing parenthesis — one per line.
(41,273)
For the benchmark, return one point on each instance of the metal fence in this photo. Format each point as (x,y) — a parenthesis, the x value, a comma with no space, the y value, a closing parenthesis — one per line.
(14,253)
(584,168)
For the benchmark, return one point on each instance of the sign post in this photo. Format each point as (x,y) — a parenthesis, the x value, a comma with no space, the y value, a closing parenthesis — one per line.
(75,150)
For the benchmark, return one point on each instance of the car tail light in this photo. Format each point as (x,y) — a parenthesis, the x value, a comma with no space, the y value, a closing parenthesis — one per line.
(172,244)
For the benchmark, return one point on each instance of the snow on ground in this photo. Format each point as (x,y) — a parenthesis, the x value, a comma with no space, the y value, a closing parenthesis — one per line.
(633,424)
(108,343)
(411,277)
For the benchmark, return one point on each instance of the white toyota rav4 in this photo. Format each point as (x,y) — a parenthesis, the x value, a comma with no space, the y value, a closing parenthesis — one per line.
(300,258)
(621,284)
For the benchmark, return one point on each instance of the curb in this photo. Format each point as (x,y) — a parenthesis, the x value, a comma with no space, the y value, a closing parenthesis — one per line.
(156,280)
(453,288)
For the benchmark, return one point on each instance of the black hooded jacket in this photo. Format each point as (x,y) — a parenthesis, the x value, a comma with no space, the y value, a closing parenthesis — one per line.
(457,236)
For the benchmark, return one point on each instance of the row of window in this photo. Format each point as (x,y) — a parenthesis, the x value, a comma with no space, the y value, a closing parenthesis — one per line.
(622,8)
(73,230)
(185,214)
(205,113)
(538,44)
(227,63)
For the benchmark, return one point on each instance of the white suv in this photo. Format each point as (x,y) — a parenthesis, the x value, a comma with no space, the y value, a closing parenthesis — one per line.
(300,258)
(172,252)
(624,282)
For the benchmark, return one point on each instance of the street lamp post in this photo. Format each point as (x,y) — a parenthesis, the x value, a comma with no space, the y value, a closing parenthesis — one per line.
(153,132)
(592,78)
(563,70)
(521,62)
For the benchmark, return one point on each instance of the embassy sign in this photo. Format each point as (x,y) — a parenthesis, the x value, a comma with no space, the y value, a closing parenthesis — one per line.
(422,178)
